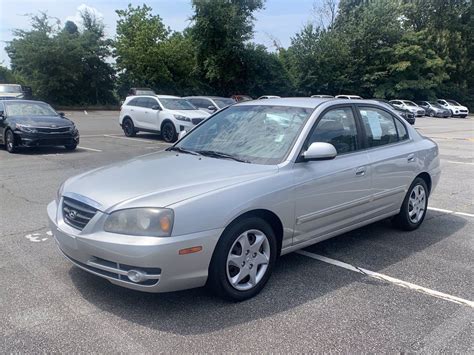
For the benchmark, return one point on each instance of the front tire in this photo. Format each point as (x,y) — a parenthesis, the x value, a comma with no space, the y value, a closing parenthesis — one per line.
(128,128)
(414,206)
(70,147)
(432,114)
(168,132)
(10,142)
(243,260)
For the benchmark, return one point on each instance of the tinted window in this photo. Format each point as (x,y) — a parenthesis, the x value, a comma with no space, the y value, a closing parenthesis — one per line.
(201,103)
(133,102)
(224,102)
(337,127)
(149,103)
(401,130)
(2,108)
(379,126)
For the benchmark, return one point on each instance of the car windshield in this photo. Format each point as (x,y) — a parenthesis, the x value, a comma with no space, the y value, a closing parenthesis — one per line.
(454,103)
(258,134)
(177,104)
(145,92)
(26,108)
(221,103)
(435,104)
(410,103)
(11,89)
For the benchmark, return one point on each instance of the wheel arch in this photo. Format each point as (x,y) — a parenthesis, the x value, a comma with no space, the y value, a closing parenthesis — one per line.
(165,121)
(427,178)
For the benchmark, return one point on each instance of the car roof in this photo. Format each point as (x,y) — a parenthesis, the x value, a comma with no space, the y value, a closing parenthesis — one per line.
(207,97)
(168,97)
(306,102)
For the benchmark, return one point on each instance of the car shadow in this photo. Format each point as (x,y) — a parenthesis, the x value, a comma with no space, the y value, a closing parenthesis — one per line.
(296,280)
(43,150)
(150,136)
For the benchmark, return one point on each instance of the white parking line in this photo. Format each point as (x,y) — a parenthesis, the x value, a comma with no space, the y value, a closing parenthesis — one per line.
(91,149)
(131,139)
(458,162)
(451,212)
(386,278)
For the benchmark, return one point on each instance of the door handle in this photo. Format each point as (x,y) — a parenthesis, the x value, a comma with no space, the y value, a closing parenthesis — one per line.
(411,158)
(360,171)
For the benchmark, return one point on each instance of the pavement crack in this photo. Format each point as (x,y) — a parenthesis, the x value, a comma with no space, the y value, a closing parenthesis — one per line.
(14,194)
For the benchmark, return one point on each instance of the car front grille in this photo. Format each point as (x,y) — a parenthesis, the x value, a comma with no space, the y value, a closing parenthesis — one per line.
(77,214)
(197,120)
(53,130)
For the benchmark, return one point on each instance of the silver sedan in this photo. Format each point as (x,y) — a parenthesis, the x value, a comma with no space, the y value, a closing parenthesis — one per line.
(254,181)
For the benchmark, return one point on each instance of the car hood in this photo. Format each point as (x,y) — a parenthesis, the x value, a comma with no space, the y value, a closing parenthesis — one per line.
(161,179)
(190,113)
(42,121)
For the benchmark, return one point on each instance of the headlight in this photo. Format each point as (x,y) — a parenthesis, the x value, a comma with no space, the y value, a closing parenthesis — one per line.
(182,118)
(151,222)
(26,129)
(59,193)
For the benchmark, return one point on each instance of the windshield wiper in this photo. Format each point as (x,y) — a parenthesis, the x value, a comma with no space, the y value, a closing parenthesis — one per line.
(182,150)
(214,154)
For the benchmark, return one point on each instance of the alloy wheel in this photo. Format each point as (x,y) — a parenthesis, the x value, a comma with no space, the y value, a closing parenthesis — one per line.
(10,141)
(417,204)
(248,260)
(168,132)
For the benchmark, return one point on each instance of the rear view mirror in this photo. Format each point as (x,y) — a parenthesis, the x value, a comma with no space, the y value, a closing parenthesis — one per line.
(320,151)
(62,114)
(156,107)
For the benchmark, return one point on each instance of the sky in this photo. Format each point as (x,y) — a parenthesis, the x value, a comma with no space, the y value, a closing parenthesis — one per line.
(280,19)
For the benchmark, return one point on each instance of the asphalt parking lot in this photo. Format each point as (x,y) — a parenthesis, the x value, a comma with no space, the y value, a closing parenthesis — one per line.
(48,305)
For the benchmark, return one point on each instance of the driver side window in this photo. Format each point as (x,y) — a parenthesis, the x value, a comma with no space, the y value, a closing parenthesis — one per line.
(338,127)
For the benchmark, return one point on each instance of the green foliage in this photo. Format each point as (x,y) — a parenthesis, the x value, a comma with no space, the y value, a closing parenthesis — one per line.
(64,66)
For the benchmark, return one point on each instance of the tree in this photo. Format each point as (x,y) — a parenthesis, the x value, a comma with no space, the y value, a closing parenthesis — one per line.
(220,31)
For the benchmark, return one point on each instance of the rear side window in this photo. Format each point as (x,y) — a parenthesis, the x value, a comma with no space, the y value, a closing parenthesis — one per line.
(2,107)
(133,102)
(337,127)
(401,130)
(379,126)
(149,103)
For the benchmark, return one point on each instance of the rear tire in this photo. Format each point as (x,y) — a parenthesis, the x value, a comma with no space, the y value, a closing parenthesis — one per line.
(70,147)
(168,132)
(243,260)
(128,128)
(10,142)
(414,206)
(431,114)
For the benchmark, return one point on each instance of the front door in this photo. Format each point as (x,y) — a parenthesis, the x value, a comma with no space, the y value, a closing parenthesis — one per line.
(331,195)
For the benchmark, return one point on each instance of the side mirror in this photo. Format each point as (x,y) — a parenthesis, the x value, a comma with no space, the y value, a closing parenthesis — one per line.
(181,134)
(211,108)
(320,151)
(156,107)
(62,114)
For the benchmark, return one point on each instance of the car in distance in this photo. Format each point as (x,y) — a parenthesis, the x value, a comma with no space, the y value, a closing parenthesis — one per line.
(406,114)
(322,96)
(210,104)
(434,109)
(409,106)
(349,97)
(14,91)
(141,91)
(256,180)
(455,107)
(27,123)
(265,97)
(239,98)
(164,114)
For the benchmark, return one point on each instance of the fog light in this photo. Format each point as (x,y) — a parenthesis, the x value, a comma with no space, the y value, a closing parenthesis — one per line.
(136,276)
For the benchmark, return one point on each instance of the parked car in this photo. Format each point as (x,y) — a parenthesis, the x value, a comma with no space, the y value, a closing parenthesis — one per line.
(406,114)
(434,109)
(410,106)
(322,96)
(163,114)
(455,107)
(140,91)
(239,98)
(210,104)
(264,97)
(350,97)
(11,91)
(256,180)
(27,123)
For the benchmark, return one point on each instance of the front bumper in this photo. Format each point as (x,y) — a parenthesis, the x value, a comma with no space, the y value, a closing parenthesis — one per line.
(45,140)
(112,256)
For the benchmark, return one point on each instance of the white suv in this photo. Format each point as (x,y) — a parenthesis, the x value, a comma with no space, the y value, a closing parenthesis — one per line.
(455,107)
(163,114)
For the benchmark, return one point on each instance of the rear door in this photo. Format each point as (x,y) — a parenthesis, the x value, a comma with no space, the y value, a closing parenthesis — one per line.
(391,156)
(150,116)
(331,195)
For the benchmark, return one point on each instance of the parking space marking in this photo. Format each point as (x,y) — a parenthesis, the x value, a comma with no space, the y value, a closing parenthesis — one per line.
(91,149)
(458,162)
(131,139)
(387,278)
(451,212)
